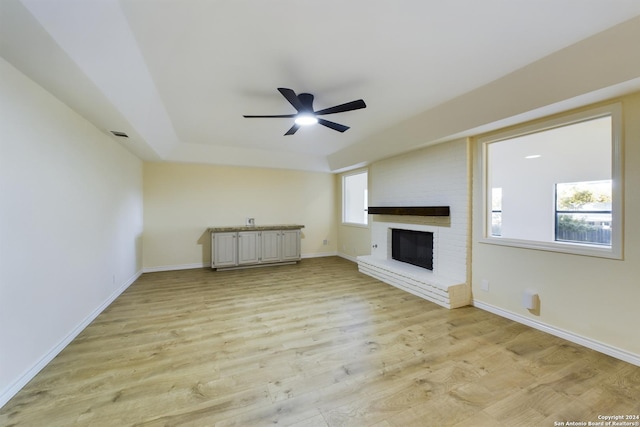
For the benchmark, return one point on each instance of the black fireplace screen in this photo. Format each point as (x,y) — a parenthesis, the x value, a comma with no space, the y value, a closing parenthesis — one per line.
(413,247)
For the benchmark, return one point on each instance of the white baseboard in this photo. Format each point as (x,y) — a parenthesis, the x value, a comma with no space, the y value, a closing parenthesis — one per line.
(204,265)
(14,388)
(349,257)
(319,255)
(569,336)
(175,267)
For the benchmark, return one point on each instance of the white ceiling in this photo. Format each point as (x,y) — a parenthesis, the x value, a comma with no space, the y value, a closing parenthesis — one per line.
(177,75)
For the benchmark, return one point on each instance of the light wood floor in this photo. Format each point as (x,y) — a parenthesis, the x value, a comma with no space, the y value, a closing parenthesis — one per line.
(313,344)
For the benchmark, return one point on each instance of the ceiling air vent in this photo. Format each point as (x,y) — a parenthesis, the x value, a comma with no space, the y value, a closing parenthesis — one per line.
(119,134)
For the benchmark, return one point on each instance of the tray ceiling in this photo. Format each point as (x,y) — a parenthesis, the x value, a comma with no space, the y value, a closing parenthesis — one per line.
(177,75)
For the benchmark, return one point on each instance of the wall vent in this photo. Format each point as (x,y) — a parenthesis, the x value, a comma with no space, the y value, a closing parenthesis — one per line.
(119,134)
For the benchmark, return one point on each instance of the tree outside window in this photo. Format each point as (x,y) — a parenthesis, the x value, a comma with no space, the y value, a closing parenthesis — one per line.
(583,212)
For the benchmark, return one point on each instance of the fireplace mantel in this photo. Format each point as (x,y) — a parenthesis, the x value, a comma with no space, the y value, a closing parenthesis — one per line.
(409,210)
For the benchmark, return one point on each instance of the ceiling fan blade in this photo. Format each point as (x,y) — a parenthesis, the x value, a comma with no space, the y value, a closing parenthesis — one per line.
(349,106)
(332,125)
(293,130)
(272,116)
(291,96)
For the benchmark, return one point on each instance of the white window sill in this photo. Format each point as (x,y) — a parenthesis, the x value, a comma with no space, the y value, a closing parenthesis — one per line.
(353,224)
(568,248)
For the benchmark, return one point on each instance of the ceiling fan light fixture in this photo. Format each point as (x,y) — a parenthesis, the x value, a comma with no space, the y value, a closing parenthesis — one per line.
(303,103)
(306,119)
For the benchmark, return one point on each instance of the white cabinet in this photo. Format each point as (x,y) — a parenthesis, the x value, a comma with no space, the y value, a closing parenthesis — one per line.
(290,245)
(236,247)
(224,249)
(271,246)
(248,247)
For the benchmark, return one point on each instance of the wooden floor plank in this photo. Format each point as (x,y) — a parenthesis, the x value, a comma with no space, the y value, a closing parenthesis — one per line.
(313,344)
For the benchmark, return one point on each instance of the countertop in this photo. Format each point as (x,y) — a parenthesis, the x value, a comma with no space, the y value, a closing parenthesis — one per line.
(255,228)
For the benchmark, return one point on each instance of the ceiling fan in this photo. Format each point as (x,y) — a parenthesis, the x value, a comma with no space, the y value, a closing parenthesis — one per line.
(303,103)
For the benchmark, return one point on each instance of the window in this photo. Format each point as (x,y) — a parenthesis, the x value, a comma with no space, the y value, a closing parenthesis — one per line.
(556,185)
(354,198)
(496,211)
(583,212)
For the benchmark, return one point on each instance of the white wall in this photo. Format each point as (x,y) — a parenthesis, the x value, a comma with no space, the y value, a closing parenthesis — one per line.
(586,299)
(182,200)
(70,226)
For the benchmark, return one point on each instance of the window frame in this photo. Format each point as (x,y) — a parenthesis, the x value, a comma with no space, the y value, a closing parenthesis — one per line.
(615,251)
(344,195)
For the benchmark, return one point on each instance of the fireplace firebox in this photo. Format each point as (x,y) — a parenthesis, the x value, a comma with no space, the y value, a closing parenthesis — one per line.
(412,247)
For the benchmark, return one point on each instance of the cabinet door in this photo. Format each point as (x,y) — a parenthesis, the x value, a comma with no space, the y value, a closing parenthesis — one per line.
(224,249)
(271,246)
(290,245)
(248,247)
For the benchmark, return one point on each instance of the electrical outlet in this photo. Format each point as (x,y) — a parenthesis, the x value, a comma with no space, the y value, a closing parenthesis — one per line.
(484,285)
(325,242)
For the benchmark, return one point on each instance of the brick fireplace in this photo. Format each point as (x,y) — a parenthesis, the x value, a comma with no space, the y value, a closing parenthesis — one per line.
(449,291)
(436,176)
